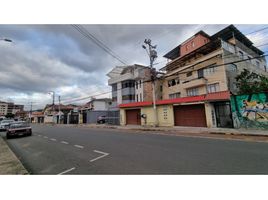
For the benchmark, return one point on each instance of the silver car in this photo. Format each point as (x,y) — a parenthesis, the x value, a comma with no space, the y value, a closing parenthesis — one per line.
(4,124)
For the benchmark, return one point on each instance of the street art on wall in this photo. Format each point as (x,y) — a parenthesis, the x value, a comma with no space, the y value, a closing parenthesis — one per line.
(250,111)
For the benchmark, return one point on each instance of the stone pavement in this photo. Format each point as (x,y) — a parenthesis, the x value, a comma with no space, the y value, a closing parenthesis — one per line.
(9,163)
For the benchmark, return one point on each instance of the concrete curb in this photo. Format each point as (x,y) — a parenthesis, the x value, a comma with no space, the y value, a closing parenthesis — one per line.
(221,131)
(9,163)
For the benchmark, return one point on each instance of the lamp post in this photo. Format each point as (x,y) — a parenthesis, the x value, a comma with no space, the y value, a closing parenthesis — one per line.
(53,103)
(152,55)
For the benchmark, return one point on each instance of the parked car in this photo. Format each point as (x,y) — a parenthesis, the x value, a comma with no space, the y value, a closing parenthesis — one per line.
(101,119)
(5,123)
(18,128)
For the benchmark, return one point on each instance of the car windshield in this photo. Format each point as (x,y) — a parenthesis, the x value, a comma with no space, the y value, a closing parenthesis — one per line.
(19,124)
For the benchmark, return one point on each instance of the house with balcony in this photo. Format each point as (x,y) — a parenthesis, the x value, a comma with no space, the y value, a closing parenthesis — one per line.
(130,84)
(199,79)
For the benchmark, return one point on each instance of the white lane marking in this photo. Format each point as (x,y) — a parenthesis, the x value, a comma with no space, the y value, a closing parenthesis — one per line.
(52,139)
(46,137)
(39,135)
(66,171)
(100,152)
(79,146)
(63,142)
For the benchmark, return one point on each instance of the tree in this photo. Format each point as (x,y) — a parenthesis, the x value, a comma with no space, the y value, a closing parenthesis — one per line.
(250,82)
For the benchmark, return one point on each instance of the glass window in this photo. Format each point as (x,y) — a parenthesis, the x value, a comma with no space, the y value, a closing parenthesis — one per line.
(209,70)
(213,88)
(140,97)
(174,95)
(232,68)
(189,74)
(140,83)
(192,92)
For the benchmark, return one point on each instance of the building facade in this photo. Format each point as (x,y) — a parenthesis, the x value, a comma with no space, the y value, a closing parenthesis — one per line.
(10,108)
(3,108)
(199,78)
(131,84)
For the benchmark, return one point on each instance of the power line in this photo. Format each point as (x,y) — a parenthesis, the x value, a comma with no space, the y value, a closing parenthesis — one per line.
(256,31)
(99,43)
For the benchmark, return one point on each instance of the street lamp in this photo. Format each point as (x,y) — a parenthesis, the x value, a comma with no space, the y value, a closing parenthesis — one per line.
(53,102)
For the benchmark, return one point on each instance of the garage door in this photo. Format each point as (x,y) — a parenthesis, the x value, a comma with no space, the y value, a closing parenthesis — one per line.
(133,116)
(190,115)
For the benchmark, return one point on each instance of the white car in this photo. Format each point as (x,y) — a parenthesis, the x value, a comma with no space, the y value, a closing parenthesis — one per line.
(5,123)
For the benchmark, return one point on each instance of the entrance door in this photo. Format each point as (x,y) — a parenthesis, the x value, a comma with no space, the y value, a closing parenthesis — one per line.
(223,114)
(190,115)
(133,117)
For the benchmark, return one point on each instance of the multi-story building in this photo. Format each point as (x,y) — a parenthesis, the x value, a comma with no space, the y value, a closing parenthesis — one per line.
(3,108)
(9,108)
(200,75)
(131,84)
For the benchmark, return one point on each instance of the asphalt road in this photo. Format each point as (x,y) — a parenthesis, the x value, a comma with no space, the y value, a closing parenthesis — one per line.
(72,150)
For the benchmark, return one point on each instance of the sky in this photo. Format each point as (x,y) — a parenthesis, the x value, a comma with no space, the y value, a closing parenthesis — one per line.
(44,58)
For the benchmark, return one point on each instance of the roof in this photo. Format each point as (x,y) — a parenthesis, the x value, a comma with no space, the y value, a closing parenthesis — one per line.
(230,31)
(217,96)
(224,34)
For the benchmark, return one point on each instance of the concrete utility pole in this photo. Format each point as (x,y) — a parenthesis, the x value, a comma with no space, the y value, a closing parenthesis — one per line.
(59,112)
(152,55)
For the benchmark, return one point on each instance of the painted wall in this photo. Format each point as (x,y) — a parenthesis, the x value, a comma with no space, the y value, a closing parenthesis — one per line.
(210,115)
(250,111)
(193,44)
(164,113)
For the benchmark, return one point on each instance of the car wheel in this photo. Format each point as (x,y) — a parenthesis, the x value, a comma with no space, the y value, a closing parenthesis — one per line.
(29,134)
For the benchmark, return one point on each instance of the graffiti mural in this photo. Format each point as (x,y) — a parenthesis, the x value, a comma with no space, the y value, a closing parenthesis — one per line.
(250,111)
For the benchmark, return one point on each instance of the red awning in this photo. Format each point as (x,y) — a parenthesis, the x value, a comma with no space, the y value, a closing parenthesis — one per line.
(217,96)
(225,95)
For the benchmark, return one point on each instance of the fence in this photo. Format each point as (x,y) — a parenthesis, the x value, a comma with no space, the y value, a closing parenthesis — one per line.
(112,117)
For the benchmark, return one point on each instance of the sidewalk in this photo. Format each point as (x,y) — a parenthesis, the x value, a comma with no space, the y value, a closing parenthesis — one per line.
(9,163)
(179,129)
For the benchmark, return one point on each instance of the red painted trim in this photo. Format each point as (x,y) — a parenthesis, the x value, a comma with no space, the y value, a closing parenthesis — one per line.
(136,104)
(225,95)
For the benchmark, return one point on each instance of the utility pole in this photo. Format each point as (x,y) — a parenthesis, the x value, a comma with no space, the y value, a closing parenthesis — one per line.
(152,55)
(31,111)
(59,112)
(53,104)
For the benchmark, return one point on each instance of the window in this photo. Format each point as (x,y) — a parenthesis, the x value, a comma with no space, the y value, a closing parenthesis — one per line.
(232,68)
(140,83)
(241,54)
(137,98)
(200,73)
(209,70)
(137,85)
(127,84)
(161,88)
(140,97)
(175,95)
(171,82)
(114,98)
(128,97)
(114,87)
(192,92)
(189,74)
(213,88)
